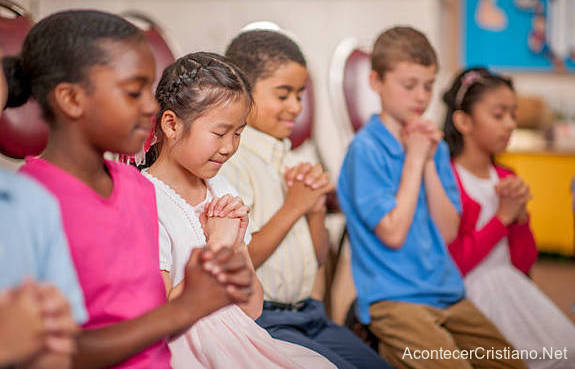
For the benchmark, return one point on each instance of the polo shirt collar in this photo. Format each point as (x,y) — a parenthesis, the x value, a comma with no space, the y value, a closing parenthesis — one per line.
(388,141)
(269,148)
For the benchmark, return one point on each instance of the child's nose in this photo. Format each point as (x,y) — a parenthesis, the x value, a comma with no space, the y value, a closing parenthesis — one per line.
(510,122)
(294,105)
(422,94)
(228,145)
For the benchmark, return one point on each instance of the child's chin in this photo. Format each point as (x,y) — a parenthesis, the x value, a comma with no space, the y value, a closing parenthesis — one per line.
(284,134)
(209,175)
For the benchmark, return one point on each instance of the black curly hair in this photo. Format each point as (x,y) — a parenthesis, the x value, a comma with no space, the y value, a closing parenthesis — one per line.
(259,52)
(61,48)
(193,84)
(463,96)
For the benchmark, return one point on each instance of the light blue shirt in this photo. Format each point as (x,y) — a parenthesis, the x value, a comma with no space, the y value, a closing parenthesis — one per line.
(32,242)
(422,270)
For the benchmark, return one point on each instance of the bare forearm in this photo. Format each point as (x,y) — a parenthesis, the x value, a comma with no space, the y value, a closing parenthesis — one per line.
(392,229)
(319,235)
(49,361)
(267,239)
(104,347)
(253,308)
(442,210)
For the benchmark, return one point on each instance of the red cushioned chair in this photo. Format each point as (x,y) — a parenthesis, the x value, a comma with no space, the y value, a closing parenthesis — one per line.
(360,100)
(352,99)
(22,130)
(304,122)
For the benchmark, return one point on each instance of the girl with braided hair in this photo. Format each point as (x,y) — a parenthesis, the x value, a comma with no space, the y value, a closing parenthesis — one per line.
(204,101)
(494,248)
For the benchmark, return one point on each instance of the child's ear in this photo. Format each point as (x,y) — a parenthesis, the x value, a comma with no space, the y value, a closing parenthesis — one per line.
(70,99)
(375,81)
(171,125)
(462,122)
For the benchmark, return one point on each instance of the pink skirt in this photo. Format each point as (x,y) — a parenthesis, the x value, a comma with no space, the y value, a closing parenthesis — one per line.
(228,338)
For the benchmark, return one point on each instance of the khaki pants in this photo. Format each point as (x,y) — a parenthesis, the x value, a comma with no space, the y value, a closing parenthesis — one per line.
(420,336)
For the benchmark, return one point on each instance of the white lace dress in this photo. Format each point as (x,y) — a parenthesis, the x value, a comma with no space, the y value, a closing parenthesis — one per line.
(523,314)
(227,338)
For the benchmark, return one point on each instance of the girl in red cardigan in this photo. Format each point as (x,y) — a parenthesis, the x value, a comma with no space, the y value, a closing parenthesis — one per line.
(494,248)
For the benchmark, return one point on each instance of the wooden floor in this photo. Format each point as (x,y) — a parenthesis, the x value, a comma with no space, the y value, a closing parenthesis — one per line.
(556,277)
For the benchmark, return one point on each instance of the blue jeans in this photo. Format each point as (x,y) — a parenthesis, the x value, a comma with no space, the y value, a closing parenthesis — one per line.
(310,327)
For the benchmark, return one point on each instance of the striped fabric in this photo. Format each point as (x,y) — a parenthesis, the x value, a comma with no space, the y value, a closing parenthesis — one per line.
(256,171)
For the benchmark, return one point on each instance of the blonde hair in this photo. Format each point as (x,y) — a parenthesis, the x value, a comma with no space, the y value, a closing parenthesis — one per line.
(401,44)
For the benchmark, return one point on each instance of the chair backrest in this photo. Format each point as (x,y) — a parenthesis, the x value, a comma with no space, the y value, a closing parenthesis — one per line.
(352,99)
(361,101)
(304,122)
(160,43)
(22,130)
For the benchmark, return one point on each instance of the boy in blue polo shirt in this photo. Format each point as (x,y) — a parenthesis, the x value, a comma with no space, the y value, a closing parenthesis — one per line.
(402,205)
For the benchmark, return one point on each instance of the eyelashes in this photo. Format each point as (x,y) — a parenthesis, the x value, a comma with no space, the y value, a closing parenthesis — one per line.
(134,95)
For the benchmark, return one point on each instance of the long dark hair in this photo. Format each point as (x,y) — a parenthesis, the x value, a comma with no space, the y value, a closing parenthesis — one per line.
(465,91)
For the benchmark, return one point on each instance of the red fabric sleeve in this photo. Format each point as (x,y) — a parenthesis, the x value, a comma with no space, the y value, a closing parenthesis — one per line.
(472,246)
(522,247)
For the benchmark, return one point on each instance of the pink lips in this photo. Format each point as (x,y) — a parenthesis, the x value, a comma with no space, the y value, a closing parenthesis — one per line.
(217,163)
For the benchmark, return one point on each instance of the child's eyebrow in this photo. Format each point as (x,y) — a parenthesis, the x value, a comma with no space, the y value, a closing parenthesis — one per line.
(289,88)
(504,106)
(284,87)
(140,79)
(225,125)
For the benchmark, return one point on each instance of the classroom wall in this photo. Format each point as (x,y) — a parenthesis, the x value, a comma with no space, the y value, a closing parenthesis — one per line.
(319,25)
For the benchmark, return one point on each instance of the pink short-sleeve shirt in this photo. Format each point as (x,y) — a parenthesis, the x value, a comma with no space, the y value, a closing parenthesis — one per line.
(114,244)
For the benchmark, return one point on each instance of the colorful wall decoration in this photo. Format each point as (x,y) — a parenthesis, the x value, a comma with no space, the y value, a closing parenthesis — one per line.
(528,35)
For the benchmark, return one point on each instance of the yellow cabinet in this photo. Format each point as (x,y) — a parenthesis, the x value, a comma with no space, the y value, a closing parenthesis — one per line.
(549,175)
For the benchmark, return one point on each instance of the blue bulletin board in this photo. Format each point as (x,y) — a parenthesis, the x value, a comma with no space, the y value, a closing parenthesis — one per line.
(529,35)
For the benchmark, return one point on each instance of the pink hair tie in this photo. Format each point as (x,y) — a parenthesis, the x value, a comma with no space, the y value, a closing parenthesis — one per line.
(139,158)
(467,80)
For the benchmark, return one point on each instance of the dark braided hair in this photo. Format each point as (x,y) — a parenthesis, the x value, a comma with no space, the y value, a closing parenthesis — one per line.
(466,90)
(193,84)
(259,52)
(61,48)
